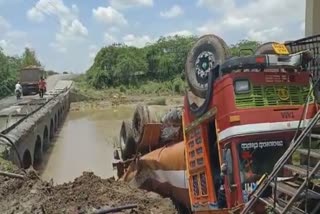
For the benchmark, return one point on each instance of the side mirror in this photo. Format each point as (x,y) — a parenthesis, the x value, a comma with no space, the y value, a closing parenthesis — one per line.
(116,155)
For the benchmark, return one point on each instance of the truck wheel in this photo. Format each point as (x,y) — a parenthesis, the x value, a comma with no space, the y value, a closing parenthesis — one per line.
(196,110)
(140,118)
(265,48)
(127,143)
(206,53)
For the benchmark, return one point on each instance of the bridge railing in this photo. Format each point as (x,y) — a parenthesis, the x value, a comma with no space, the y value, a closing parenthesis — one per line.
(8,129)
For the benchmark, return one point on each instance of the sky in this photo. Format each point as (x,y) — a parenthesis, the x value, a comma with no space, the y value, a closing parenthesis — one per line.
(67,34)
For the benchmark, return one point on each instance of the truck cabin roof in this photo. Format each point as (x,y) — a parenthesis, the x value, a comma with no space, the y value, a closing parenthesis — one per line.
(297,62)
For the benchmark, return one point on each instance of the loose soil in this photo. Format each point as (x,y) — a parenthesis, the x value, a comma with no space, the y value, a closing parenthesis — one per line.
(85,194)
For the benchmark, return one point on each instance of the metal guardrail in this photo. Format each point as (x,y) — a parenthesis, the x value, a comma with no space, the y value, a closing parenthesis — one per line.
(311,43)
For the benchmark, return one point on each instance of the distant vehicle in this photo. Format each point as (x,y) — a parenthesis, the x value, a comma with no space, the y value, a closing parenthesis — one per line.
(29,78)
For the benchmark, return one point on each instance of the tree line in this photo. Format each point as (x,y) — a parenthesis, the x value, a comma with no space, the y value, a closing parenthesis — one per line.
(164,60)
(10,67)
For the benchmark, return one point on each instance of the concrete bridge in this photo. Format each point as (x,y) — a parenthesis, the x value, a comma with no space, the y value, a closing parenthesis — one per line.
(28,127)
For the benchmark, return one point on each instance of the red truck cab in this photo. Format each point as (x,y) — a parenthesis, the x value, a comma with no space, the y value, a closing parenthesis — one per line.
(253,109)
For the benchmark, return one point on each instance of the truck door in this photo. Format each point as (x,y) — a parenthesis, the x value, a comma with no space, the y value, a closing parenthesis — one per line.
(231,184)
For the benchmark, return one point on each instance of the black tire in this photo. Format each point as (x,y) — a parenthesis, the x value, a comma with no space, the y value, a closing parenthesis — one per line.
(215,48)
(196,110)
(127,143)
(140,118)
(173,117)
(267,48)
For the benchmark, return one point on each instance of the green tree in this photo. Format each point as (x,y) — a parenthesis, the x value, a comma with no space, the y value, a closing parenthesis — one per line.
(29,58)
(245,46)
(10,67)
(162,61)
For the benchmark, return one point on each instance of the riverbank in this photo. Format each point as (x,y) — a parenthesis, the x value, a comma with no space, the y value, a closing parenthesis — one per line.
(86,191)
(85,194)
(82,102)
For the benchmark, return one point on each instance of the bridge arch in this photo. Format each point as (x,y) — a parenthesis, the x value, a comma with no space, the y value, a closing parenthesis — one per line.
(26,159)
(55,122)
(37,157)
(45,137)
(59,117)
(51,129)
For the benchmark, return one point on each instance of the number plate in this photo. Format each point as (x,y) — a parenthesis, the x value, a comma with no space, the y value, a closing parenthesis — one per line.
(280,49)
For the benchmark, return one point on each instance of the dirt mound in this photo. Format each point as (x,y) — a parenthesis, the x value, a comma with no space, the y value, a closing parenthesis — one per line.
(85,194)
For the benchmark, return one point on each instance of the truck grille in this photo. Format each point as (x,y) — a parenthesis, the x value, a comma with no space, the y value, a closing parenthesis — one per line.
(269,96)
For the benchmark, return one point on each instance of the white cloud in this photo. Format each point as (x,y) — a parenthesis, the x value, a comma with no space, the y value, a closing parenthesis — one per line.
(180,33)
(109,15)
(109,39)
(4,25)
(248,21)
(58,47)
(35,15)
(11,41)
(12,46)
(137,41)
(114,29)
(75,8)
(3,44)
(216,4)
(123,4)
(266,34)
(47,7)
(71,28)
(93,49)
(173,12)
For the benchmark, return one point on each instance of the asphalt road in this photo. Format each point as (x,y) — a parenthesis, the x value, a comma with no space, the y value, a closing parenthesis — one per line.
(51,82)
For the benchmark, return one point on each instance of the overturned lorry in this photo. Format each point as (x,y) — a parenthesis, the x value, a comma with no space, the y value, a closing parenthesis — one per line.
(247,140)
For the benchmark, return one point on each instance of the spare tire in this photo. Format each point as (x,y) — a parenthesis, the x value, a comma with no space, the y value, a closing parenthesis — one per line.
(140,118)
(127,143)
(196,110)
(206,53)
(267,48)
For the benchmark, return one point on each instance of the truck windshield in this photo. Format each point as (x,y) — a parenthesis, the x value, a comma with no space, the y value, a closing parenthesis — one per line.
(30,75)
(258,158)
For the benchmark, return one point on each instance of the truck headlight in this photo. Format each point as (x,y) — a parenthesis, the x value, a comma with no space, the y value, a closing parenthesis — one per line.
(242,86)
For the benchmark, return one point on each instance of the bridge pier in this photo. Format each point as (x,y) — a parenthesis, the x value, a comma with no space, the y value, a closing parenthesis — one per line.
(312,22)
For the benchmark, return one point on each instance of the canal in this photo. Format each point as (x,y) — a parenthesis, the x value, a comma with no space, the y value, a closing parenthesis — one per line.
(86,142)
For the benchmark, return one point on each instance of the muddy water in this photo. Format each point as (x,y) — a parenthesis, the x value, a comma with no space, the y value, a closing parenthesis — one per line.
(85,143)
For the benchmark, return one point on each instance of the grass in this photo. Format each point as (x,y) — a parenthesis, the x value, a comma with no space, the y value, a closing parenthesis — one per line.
(6,165)
(167,88)
(158,101)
